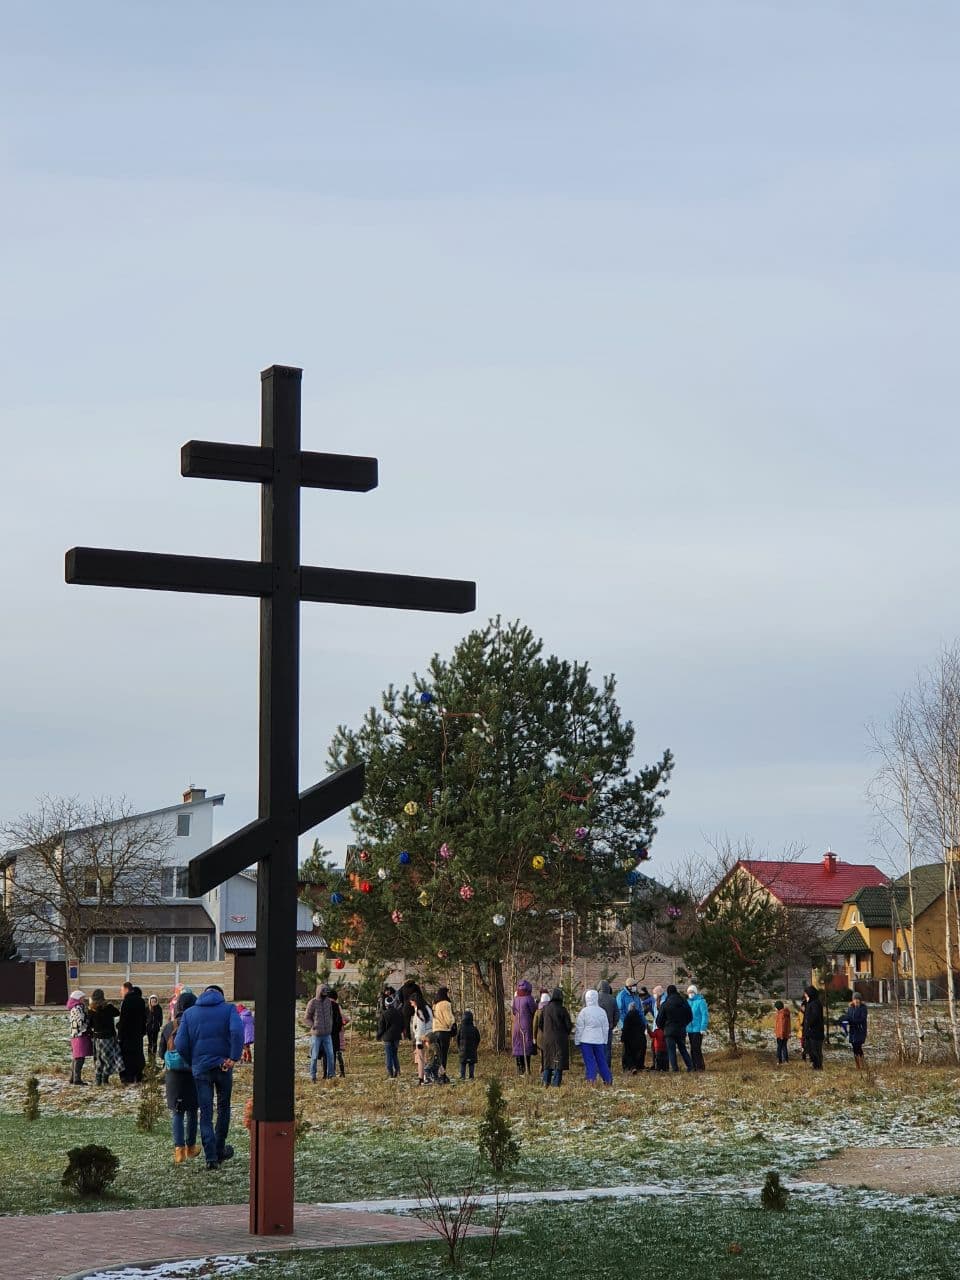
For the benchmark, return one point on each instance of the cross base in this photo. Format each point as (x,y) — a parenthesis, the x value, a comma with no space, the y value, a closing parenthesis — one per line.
(271,1177)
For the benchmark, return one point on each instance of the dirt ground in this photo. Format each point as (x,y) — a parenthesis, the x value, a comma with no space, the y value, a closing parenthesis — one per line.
(906,1170)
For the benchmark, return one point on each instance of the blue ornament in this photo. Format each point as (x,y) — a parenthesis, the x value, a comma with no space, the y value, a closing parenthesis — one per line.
(425,698)
(404,857)
(336,898)
(633,878)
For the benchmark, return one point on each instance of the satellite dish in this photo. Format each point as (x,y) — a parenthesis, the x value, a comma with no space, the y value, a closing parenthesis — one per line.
(887,947)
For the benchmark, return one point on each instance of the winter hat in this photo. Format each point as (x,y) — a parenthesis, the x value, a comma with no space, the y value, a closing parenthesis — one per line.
(557,994)
(523,987)
(631,984)
(778,1004)
(856,996)
(671,990)
(693,989)
(590,997)
(544,998)
(324,990)
(643,991)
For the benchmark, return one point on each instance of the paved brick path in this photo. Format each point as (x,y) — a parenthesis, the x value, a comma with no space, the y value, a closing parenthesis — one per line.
(51,1246)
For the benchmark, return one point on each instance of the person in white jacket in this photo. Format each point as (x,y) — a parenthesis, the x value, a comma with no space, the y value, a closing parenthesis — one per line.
(421,1026)
(590,1032)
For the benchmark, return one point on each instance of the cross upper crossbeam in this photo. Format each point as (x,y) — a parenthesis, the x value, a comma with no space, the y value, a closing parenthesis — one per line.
(208,460)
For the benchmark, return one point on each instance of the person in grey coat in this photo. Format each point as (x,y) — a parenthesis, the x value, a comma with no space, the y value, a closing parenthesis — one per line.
(556,1027)
(319,1019)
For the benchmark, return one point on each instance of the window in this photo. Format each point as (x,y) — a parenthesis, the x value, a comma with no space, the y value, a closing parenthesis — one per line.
(88,882)
(173,882)
(855,916)
(138,948)
(162,948)
(121,948)
(183,824)
(101,949)
(181,948)
(201,946)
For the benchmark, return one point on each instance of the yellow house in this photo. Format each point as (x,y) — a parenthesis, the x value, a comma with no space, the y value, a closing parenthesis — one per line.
(874,939)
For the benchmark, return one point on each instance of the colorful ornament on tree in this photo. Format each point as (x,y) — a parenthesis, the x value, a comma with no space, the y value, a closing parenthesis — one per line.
(411,808)
(423,898)
(336,945)
(443,953)
(581,833)
(381,873)
(404,857)
(396,917)
(336,898)
(364,855)
(674,913)
(538,862)
(445,851)
(643,854)
(338,963)
(633,878)
(466,892)
(499,920)
(365,886)
(424,698)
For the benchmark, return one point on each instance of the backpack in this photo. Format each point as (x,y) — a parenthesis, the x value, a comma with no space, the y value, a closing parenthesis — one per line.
(173,1061)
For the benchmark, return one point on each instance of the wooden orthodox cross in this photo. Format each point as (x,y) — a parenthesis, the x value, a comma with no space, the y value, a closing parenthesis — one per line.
(280,582)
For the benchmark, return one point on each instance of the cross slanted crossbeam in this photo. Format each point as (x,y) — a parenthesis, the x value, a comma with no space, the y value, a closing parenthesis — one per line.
(281,584)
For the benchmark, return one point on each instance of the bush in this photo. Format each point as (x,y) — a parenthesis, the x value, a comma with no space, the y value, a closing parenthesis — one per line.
(772,1195)
(90,1170)
(31,1099)
(495,1135)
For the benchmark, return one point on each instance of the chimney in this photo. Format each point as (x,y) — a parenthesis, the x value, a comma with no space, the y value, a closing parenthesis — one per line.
(830,862)
(193,794)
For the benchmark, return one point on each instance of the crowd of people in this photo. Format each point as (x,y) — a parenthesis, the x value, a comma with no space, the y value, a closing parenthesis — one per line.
(201,1042)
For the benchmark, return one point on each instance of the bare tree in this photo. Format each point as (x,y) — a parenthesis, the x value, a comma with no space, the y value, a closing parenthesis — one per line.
(69,856)
(895,792)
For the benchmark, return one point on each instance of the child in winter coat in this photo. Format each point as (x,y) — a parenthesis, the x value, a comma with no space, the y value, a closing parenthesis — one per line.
(340,1020)
(81,1042)
(781,1029)
(658,1043)
(390,1033)
(246,1017)
(421,1027)
(154,1024)
(433,1072)
(854,1024)
(468,1041)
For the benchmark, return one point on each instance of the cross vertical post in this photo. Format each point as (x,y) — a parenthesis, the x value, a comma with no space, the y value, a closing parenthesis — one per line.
(271,1133)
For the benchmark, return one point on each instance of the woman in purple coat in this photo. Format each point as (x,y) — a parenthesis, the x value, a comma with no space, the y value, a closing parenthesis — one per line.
(523,1008)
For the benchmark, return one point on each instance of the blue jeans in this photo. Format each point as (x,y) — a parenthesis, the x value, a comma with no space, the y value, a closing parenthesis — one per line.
(595,1062)
(552,1075)
(318,1043)
(209,1083)
(392,1056)
(675,1045)
(177,1119)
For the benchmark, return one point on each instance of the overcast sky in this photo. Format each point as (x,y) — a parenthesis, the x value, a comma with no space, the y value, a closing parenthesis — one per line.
(649,311)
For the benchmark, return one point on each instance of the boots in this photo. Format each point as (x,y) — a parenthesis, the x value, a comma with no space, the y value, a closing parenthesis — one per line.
(179,1155)
(192,1151)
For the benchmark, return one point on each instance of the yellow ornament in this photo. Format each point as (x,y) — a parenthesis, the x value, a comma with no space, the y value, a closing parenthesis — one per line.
(423,898)
(538,862)
(336,945)
(411,808)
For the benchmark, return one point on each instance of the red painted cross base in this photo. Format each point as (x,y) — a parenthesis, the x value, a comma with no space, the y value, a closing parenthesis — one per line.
(271,1177)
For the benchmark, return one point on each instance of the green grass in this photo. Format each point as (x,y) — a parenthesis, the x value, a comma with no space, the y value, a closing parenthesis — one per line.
(661,1240)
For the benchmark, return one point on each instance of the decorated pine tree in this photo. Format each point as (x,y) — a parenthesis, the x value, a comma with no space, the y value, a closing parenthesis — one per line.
(499,794)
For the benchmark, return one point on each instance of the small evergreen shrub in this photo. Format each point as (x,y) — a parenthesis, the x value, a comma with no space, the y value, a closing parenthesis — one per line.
(90,1170)
(772,1195)
(301,1125)
(31,1099)
(151,1098)
(495,1135)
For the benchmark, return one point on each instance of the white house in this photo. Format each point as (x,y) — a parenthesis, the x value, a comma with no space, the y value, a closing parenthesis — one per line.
(169,928)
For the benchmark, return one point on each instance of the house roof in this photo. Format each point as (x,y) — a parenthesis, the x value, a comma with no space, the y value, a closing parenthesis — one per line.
(813,884)
(875,902)
(927,886)
(850,943)
(247,941)
(189,918)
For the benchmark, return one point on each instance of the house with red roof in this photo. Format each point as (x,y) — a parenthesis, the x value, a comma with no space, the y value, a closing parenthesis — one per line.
(812,893)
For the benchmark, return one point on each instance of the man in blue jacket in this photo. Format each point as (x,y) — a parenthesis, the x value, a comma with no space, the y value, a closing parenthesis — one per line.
(210,1039)
(628,998)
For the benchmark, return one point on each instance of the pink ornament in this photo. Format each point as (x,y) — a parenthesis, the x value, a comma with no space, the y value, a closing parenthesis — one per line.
(445,851)
(396,917)
(466,892)
(442,953)
(581,833)
(364,855)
